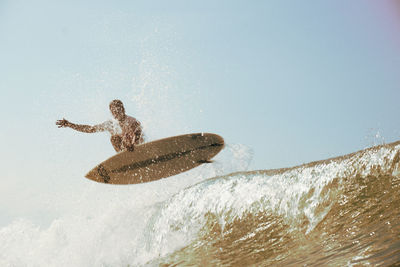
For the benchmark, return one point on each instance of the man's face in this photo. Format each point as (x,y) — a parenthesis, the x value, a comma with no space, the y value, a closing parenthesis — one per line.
(117,112)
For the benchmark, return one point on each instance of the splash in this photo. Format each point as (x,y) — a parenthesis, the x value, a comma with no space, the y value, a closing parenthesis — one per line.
(107,226)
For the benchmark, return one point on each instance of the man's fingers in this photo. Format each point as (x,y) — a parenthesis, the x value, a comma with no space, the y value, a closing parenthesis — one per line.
(62,123)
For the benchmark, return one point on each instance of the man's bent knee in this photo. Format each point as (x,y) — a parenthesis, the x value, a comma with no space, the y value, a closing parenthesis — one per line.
(116,141)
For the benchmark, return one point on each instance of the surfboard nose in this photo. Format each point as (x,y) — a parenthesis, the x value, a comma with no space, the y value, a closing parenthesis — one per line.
(99,174)
(91,175)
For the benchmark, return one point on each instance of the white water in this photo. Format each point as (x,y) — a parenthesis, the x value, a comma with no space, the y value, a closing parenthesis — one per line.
(108,225)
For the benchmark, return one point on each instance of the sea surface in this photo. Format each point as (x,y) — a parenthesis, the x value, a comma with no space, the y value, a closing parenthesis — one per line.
(343,211)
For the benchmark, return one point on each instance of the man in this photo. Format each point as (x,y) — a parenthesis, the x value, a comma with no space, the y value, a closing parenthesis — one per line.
(124,135)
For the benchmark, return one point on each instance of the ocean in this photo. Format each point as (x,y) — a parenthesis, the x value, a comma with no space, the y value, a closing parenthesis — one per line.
(342,211)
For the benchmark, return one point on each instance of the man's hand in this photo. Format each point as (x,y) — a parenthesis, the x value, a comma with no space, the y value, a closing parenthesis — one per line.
(63,123)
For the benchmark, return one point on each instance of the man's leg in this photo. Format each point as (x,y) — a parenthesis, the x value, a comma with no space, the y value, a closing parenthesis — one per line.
(138,137)
(116,141)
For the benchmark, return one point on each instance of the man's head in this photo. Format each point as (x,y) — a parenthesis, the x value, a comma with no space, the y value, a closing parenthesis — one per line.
(117,109)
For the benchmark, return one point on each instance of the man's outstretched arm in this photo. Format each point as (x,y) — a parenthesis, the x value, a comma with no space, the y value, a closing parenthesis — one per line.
(80,127)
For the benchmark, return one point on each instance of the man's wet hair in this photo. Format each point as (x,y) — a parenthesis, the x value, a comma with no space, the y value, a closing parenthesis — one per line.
(117,103)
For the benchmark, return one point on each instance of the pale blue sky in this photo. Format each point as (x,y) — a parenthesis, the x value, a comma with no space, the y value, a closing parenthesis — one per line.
(294,81)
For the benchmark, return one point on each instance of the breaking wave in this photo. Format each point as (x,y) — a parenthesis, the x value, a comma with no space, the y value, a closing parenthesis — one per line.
(340,211)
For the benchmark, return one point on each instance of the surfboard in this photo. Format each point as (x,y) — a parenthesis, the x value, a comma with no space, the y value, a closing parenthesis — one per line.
(158,159)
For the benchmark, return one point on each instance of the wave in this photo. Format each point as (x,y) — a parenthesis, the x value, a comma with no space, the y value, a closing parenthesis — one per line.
(279,216)
(340,211)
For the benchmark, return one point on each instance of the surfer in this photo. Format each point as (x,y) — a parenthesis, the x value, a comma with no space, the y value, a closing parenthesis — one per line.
(125,133)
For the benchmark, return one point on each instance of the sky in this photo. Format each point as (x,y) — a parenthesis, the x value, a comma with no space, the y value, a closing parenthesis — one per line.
(292,81)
